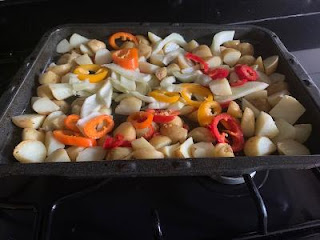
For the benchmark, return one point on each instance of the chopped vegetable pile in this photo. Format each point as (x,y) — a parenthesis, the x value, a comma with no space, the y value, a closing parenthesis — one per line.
(152,98)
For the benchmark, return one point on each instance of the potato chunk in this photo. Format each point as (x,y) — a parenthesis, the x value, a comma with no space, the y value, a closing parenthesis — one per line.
(291,148)
(28,120)
(30,151)
(265,126)
(202,150)
(59,155)
(303,132)
(259,146)
(288,109)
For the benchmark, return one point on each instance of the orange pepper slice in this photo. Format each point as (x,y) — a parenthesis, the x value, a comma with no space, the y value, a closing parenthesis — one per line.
(189,89)
(126,58)
(93,72)
(141,119)
(70,122)
(74,139)
(124,37)
(205,113)
(98,126)
(164,96)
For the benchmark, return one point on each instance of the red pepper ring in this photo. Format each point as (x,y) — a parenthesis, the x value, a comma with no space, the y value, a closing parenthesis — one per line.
(116,141)
(246,72)
(218,73)
(198,59)
(239,82)
(163,116)
(233,130)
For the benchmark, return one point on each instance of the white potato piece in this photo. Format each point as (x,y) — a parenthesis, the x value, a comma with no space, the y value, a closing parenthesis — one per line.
(83,59)
(30,151)
(91,154)
(248,122)
(201,134)
(259,146)
(214,61)
(103,56)
(246,49)
(265,126)
(127,130)
(246,104)
(52,143)
(49,77)
(61,91)
(95,45)
(76,40)
(202,51)
(202,150)
(73,152)
(271,64)
(49,122)
(143,153)
(60,69)
(292,148)
(275,98)
(119,153)
(44,106)
(303,132)
(220,87)
(33,99)
(230,56)
(141,143)
(184,150)
(288,108)
(59,155)
(28,120)
(160,141)
(263,77)
(247,59)
(234,110)
(232,44)
(277,87)
(223,150)
(286,131)
(157,59)
(191,45)
(63,46)
(174,132)
(44,91)
(63,105)
(277,77)
(259,63)
(32,134)
(169,151)
(128,105)
(86,50)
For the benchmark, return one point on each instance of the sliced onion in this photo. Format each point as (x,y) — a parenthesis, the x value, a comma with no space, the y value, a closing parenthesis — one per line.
(105,94)
(89,106)
(173,37)
(220,38)
(241,91)
(187,77)
(133,75)
(103,56)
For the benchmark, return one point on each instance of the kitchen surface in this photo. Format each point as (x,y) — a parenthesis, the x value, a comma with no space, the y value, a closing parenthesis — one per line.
(275,204)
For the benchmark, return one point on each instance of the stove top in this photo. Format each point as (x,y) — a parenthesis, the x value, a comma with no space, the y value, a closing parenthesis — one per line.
(277,204)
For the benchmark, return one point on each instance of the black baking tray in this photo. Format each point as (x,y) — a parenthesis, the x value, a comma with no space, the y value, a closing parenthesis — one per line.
(16,100)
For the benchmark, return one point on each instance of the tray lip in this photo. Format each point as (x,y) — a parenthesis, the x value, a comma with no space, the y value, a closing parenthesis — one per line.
(16,83)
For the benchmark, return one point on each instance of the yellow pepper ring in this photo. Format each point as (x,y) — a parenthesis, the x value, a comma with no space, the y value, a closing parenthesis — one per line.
(93,72)
(207,111)
(164,96)
(189,89)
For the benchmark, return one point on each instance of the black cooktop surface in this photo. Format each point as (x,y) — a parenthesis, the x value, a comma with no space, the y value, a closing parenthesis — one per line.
(160,208)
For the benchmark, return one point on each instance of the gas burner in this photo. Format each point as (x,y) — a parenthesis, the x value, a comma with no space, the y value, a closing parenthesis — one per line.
(230,186)
(231,180)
